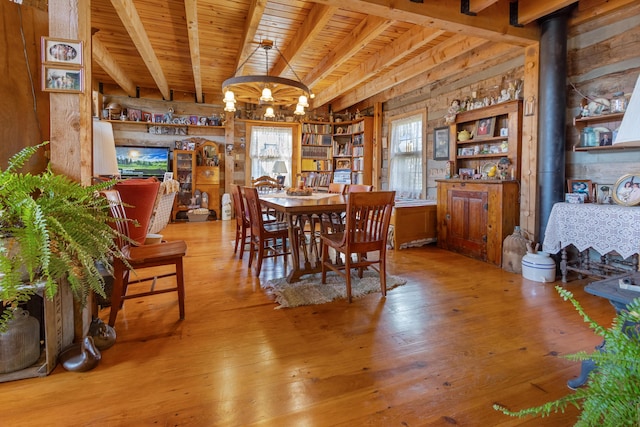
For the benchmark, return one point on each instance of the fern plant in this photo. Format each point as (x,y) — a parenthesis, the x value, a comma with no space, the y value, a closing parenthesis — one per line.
(53,231)
(611,396)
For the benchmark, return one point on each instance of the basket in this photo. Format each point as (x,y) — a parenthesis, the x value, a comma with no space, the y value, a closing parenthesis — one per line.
(195,217)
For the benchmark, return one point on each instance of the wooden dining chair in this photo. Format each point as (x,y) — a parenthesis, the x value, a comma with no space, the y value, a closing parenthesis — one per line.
(359,188)
(140,257)
(266,184)
(336,188)
(243,226)
(269,237)
(367,223)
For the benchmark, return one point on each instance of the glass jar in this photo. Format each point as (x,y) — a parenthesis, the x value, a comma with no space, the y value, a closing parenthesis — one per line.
(618,103)
(588,138)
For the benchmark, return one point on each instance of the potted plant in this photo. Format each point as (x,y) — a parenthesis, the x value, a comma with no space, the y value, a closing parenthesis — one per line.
(611,396)
(53,231)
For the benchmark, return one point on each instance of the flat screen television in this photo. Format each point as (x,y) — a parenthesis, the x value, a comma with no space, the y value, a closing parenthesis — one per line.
(142,162)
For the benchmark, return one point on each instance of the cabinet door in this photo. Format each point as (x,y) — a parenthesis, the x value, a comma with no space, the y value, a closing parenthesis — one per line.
(467,217)
(184,168)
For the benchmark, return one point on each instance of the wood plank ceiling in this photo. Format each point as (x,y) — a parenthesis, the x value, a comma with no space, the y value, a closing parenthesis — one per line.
(343,54)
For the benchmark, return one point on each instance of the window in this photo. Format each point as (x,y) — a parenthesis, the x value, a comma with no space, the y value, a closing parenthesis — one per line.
(405,156)
(268,146)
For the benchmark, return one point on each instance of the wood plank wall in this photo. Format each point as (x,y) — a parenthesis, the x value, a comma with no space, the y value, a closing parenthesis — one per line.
(603,59)
(24,108)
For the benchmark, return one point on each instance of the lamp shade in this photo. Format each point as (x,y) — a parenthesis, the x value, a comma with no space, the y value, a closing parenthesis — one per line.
(279,167)
(629,131)
(105,162)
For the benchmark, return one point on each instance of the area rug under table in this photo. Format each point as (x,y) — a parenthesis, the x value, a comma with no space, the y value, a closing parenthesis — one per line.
(310,290)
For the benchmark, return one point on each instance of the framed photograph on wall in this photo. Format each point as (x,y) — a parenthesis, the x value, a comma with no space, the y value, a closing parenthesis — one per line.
(61,51)
(58,79)
(441,143)
(485,128)
(626,191)
(581,186)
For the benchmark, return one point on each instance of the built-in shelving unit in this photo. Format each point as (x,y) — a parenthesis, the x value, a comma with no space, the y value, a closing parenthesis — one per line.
(337,152)
(502,139)
(609,121)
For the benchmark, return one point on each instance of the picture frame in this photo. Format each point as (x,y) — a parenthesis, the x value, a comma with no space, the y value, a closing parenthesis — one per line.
(468,172)
(134,115)
(57,51)
(581,186)
(60,79)
(158,118)
(485,128)
(606,139)
(626,191)
(441,143)
(146,116)
(604,193)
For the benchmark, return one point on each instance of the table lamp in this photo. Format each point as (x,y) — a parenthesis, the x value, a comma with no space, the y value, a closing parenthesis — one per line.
(105,162)
(629,133)
(280,168)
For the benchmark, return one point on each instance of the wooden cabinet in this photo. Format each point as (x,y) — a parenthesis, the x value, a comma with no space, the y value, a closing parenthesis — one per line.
(337,152)
(208,175)
(475,216)
(184,166)
(502,138)
(198,172)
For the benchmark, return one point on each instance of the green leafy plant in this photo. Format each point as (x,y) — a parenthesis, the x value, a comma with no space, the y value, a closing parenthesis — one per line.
(611,396)
(53,230)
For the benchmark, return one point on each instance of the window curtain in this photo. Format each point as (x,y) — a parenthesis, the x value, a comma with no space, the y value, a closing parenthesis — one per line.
(405,157)
(269,145)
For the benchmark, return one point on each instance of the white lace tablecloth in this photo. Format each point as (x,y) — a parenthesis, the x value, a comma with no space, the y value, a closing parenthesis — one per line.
(605,228)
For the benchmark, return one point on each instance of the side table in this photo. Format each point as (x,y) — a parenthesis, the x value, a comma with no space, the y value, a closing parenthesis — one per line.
(603,228)
(619,298)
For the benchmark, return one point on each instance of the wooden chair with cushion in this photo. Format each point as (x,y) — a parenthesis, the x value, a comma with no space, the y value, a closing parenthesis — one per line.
(141,257)
(268,237)
(359,188)
(367,223)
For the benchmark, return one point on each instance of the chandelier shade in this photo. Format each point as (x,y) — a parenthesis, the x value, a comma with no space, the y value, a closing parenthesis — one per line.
(265,89)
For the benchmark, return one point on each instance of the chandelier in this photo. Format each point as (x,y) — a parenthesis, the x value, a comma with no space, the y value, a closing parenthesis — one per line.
(266,90)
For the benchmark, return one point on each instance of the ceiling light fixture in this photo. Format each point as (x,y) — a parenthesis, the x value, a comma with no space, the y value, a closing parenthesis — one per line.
(266,89)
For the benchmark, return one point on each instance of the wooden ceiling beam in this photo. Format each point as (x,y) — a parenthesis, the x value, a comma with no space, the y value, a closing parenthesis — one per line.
(477,6)
(591,9)
(446,51)
(318,17)
(128,14)
(412,40)
(104,59)
(530,10)
(191,14)
(446,15)
(254,16)
(370,28)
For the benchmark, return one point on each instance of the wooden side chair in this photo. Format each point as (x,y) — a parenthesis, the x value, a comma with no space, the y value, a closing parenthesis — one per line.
(243,226)
(141,257)
(270,237)
(336,188)
(266,184)
(367,224)
(359,188)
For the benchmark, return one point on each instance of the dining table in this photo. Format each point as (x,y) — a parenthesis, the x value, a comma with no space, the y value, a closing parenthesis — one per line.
(299,212)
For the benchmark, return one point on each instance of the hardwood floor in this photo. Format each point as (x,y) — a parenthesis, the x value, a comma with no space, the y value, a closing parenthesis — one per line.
(438,351)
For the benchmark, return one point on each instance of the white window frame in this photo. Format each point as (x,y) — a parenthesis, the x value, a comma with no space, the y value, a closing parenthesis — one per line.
(407,151)
(264,150)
